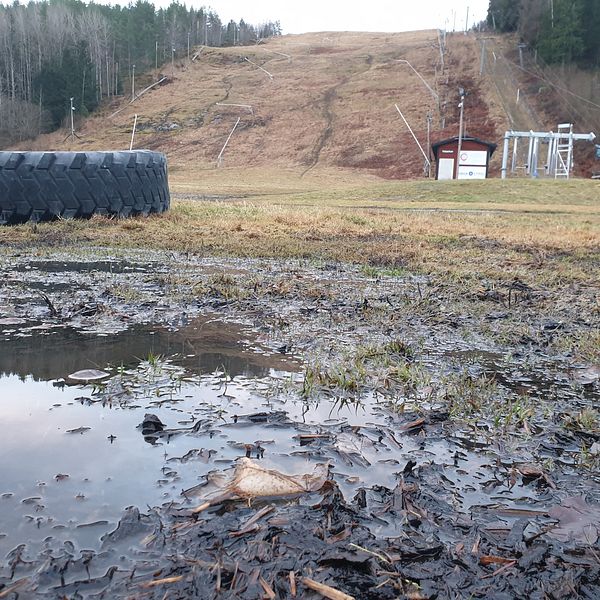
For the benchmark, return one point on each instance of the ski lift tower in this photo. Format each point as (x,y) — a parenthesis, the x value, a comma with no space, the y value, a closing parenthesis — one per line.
(559,151)
(563,151)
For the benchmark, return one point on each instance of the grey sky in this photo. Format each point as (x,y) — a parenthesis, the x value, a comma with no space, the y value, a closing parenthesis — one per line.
(350,15)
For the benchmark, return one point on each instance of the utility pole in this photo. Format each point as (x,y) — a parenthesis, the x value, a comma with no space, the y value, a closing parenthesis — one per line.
(72,122)
(467,21)
(482,65)
(188,45)
(156,55)
(172,63)
(132,82)
(429,120)
(462,93)
(521,46)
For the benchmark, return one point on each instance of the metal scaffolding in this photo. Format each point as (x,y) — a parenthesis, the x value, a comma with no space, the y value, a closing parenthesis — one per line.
(556,147)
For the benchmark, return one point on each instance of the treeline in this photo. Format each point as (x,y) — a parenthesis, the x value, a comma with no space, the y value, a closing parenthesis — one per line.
(559,30)
(55,50)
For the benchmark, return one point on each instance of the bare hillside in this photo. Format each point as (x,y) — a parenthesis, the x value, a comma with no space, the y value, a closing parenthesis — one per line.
(317,101)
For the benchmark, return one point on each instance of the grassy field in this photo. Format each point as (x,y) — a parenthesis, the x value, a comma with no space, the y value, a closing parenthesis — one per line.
(542,232)
(322,169)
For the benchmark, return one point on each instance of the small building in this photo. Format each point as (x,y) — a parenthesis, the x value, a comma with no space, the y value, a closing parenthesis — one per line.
(474,160)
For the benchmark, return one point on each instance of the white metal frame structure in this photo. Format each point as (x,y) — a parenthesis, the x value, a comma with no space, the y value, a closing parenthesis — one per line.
(559,151)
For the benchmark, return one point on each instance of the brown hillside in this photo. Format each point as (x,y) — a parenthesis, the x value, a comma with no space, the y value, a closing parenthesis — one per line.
(328,107)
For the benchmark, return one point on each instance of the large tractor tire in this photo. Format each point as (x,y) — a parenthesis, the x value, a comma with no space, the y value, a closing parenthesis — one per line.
(42,186)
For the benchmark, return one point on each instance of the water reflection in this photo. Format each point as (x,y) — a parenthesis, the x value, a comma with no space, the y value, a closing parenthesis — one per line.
(203,346)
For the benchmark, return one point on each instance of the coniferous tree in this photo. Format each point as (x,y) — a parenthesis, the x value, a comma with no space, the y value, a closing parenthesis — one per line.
(54,50)
(503,15)
(560,38)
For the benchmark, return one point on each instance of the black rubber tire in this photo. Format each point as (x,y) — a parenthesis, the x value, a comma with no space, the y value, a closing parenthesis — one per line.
(42,186)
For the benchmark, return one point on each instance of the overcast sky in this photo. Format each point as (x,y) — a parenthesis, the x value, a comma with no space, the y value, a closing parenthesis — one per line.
(300,16)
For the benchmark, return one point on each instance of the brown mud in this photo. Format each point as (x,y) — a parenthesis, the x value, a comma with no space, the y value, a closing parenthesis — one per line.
(458,420)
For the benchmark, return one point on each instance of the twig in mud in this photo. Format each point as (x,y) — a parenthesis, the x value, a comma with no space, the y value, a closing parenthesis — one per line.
(414,595)
(383,583)
(540,533)
(508,565)
(218,578)
(267,588)
(250,524)
(595,554)
(201,508)
(325,590)
(13,588)
(53,311)
(292,584)
(234,577)
(491,560)
(375,554)
(156,582)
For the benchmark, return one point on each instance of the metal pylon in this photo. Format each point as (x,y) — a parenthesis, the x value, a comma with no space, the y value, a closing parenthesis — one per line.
(564,151)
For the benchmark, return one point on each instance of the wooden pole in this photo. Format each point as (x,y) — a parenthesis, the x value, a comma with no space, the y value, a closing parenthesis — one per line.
(258,67)
(429,119)
(220,157)
(133,132)
(460,132)
(412,133)
(482,65)
(140,94)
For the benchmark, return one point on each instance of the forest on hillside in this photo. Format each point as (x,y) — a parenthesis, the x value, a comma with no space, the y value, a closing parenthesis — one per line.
(54,50)
(560,31)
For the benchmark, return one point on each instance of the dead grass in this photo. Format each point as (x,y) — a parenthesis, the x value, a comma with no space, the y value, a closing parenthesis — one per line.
(308,172)
(498,231)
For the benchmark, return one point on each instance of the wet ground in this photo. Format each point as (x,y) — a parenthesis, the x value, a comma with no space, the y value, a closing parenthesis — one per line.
(458,421)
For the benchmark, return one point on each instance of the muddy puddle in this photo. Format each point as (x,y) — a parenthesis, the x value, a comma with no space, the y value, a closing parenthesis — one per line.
(459,457)
(73,459)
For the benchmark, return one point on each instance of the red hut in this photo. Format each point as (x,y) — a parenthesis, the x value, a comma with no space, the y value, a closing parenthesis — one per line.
(474,158)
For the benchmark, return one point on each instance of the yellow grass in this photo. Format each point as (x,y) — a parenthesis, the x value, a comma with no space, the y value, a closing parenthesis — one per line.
(309,172)
(463,229)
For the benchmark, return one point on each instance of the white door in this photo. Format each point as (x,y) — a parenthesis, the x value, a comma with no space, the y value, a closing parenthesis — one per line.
(446,168)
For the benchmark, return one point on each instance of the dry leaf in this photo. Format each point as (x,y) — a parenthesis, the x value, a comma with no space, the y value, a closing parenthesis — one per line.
(248,480)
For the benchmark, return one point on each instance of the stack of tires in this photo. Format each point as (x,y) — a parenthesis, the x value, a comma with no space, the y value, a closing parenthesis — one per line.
(42,186)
